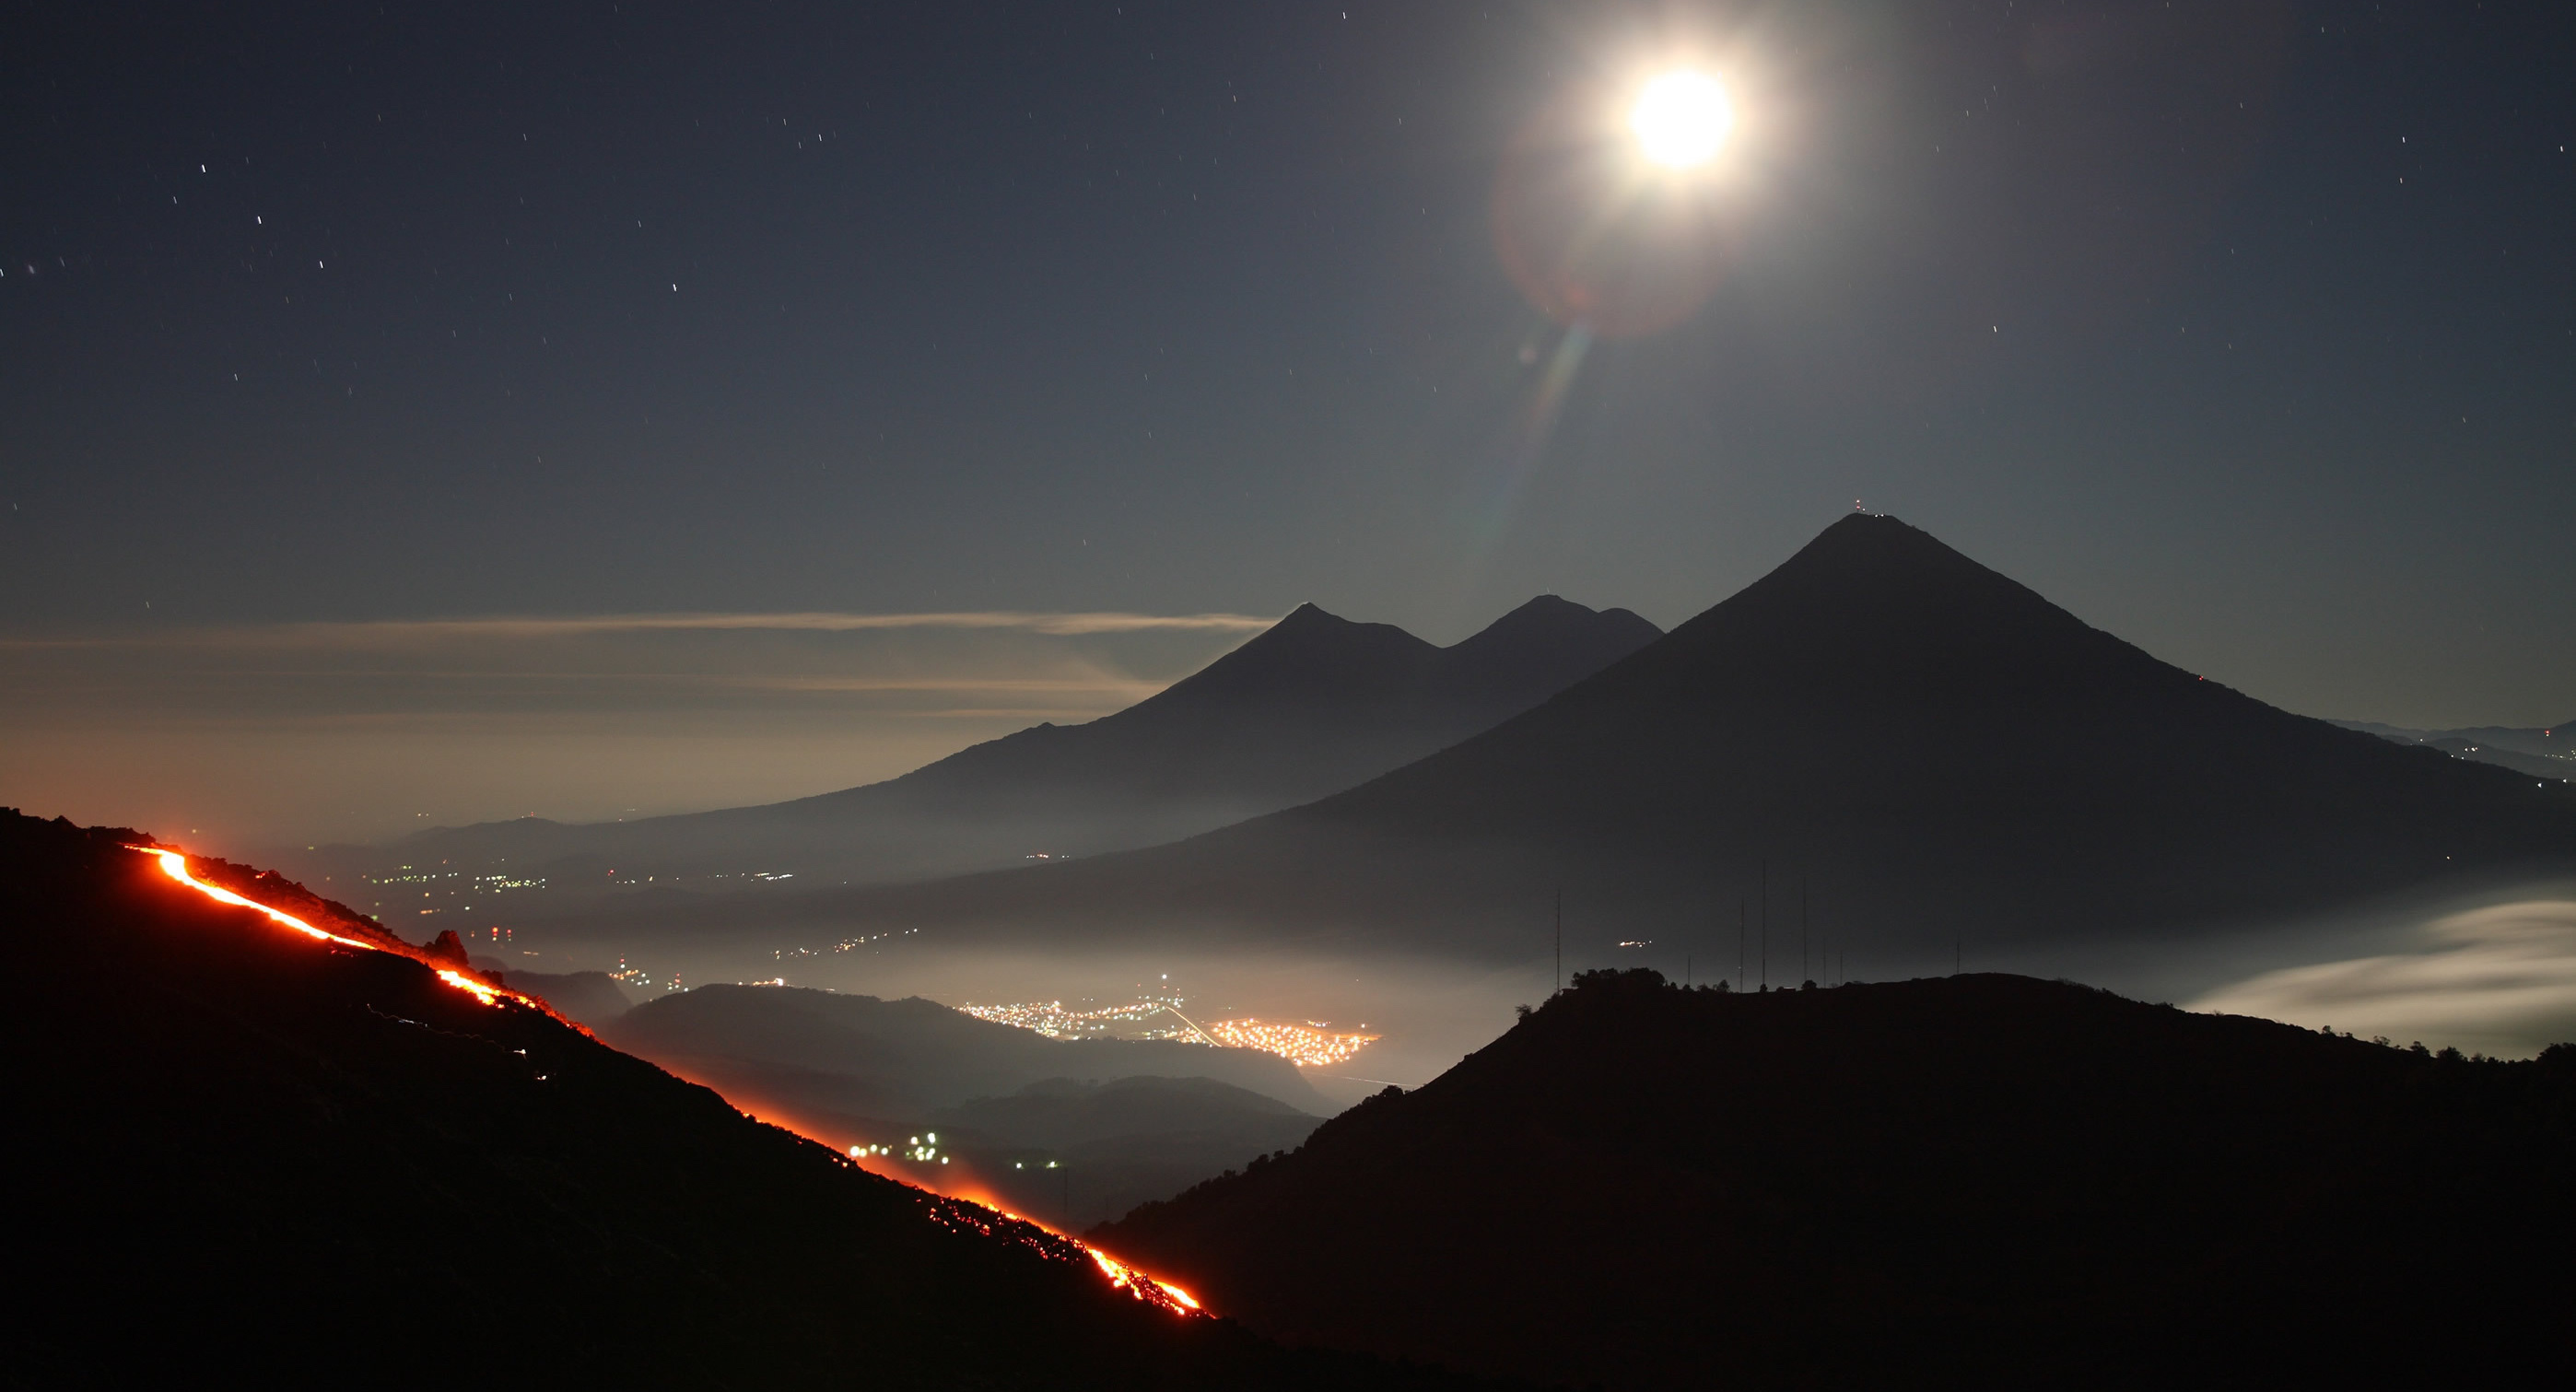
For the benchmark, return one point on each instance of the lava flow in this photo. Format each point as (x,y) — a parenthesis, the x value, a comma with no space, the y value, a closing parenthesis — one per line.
(953,1212)
(175,865)
(948,1210)
(963,1192)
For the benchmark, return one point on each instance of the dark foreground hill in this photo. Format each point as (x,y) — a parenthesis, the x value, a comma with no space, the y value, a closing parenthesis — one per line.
(1930,746)
(238,1154)
(1313,705)
(1116,1144)
(1982,1180)
(586,997)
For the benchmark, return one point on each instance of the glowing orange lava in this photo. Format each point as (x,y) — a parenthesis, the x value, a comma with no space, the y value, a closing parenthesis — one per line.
(175,865)
(987,1214)
(1129,1278)
(963,1189)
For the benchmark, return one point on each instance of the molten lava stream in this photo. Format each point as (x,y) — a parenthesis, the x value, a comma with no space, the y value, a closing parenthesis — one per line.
(1120,1274)
(175,865)
(963,1189)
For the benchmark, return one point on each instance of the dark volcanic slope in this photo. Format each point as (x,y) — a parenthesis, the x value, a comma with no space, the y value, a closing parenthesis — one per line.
(1313,705)
(1974,1181)
(590,997)
(1933,746)
(1122,1142)
(238,1152)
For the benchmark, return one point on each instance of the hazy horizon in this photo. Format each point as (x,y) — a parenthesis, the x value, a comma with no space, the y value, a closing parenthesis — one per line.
(255,736)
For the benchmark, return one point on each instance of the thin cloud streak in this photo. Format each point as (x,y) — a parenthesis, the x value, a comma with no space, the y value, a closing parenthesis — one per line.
(347,731)
(393,632)
(1127,690)
(2501,979)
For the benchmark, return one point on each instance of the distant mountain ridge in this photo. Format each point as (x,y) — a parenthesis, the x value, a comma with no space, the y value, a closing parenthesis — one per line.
(1315,704)
(2542,751)
(1930,748)
(1312,705)
(861,1057)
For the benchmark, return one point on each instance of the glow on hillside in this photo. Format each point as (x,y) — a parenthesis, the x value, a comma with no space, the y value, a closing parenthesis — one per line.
(962,1203)
(175,865)
(979,1213)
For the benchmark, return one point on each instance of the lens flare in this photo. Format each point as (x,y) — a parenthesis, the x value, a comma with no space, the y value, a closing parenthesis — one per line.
(1681,118)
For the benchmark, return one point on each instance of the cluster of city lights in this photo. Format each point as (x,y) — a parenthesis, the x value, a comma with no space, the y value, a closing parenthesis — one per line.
(1310,1045)
(852,944)
(639,977)
(1051,1019)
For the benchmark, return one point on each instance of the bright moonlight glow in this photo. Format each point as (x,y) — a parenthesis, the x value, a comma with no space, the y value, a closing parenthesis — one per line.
(1681,118)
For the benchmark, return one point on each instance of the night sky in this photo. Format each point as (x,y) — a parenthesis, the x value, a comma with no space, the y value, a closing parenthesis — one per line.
(2245,330)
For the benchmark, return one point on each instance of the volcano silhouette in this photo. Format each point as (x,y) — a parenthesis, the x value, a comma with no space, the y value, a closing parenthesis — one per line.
(1313,705)
(1927,745)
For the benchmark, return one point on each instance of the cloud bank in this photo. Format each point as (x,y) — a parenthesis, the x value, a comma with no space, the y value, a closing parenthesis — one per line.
(2500,979)
(310,731)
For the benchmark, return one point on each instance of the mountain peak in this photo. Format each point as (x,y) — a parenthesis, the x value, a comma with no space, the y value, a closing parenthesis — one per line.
(1942,746)
(1552,619)
(1880,547)
(1306,615)
(1310,651)
(1542,605)
(1875,592)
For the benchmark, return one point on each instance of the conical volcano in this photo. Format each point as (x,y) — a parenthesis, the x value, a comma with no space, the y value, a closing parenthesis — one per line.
(1917,743)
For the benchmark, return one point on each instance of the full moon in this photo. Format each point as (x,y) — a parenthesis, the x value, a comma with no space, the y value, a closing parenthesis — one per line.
(1681,118)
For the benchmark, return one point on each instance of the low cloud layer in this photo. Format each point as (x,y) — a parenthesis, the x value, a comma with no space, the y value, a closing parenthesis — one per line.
(2500,979)
(361,730)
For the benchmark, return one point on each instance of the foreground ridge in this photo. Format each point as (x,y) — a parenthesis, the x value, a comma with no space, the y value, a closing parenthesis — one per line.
(1987,1179)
